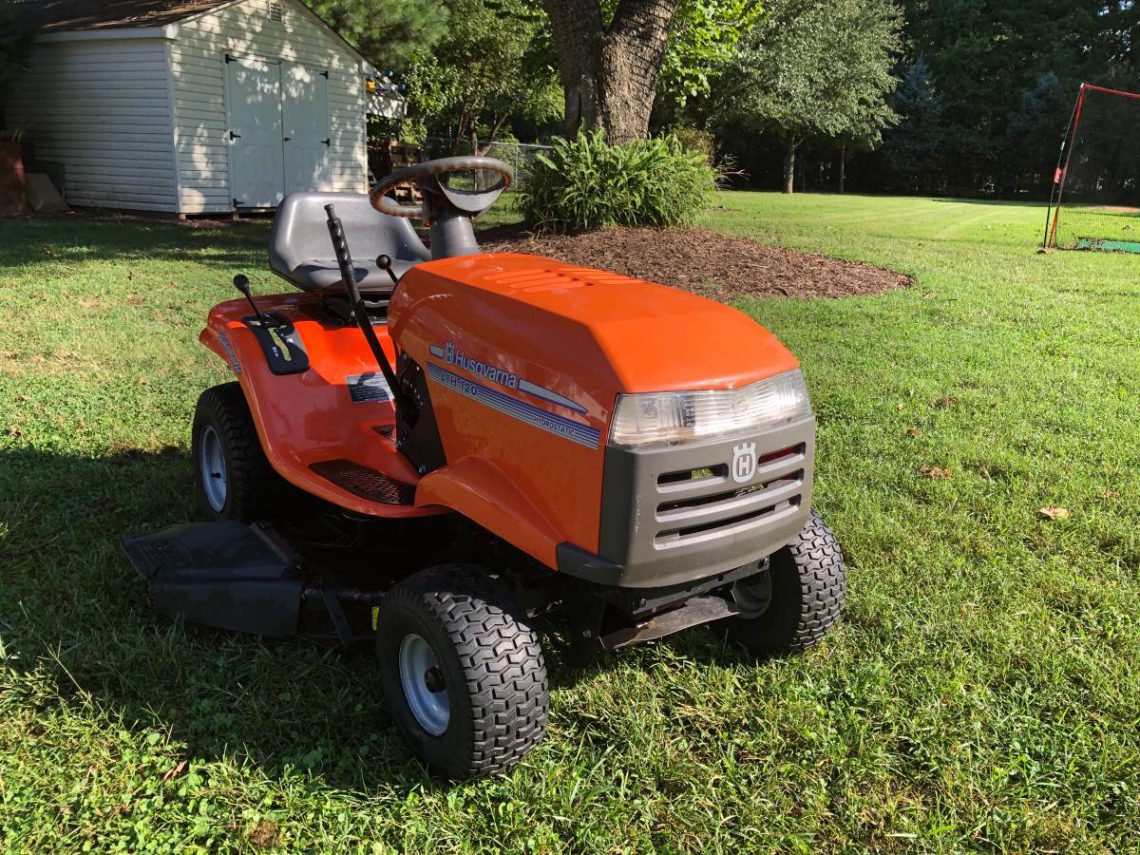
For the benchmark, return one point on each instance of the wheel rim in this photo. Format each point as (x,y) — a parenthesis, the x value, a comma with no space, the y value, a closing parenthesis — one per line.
(212,469)
(424,688)
(754,596)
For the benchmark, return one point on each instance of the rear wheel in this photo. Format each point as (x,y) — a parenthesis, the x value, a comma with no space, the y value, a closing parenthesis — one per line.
(792,606)
(462,671)
(232,478)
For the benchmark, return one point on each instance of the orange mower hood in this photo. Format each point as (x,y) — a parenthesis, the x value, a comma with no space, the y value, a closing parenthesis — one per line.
(596,332)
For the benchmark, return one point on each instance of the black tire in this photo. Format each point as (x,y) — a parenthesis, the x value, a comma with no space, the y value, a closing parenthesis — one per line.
(490,662)
(252,489)
(808,585)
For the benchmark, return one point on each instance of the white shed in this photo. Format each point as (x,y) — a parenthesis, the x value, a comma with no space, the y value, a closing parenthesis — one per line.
(196,106)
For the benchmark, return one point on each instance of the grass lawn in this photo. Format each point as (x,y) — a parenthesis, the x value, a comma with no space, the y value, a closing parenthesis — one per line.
(981,694)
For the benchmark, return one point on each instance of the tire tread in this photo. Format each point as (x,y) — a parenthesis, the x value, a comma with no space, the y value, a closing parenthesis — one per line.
(251,480)
(809,583)
(500,656)
(823,582)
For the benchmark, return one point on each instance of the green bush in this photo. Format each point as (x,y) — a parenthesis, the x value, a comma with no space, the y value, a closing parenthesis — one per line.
(694,139)
(585,184)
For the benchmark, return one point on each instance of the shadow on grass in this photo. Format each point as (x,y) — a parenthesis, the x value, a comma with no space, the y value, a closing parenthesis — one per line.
(83,236)
(72,605)
(74,238)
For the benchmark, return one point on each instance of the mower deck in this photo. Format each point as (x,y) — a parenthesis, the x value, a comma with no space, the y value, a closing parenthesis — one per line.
(250,579)
(247,578)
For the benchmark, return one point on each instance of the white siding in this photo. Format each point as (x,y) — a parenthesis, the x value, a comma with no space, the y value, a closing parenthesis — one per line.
(102,108)
(199,86)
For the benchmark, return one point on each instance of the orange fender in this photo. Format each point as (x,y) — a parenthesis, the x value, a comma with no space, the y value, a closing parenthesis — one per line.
(480,491)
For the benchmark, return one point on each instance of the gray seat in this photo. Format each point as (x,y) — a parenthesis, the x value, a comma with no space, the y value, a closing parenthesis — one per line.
(300,249)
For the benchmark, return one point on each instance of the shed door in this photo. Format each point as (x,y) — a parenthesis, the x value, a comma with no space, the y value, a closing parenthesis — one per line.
(256,153)
(305,107)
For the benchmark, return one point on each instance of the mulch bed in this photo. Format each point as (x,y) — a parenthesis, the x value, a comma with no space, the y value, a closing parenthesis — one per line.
(709,263)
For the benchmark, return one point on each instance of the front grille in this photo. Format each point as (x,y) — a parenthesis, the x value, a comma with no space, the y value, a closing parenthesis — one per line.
(364,482)
(675,514)
(701,504)
(686,477)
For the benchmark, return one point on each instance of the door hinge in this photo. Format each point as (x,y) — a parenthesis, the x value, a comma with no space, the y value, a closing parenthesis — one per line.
(230,58)
(234,136)
(324,74)
(327,142)
(237,204)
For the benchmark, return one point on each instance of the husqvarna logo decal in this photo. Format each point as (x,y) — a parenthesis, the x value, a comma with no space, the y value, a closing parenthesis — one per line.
(452,355)
(743,462)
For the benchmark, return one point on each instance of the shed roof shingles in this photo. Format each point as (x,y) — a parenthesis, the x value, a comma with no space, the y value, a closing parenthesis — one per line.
(61,15)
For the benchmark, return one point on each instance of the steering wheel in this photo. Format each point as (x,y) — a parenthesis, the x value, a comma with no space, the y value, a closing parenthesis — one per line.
(431,178)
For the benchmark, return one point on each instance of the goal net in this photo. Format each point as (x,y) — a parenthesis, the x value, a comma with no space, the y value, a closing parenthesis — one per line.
(1096,188)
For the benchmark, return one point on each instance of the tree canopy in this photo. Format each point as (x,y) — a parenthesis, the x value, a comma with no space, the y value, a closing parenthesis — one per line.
(387,32)
(1005,75)
(915,148)
(816,68)
(984,87)
(493,64)
(702,39)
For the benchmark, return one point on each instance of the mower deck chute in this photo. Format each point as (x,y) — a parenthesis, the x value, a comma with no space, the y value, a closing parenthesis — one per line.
(246,578)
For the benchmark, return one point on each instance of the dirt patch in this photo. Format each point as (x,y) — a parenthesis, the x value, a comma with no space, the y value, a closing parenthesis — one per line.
(266,835)
(709,263)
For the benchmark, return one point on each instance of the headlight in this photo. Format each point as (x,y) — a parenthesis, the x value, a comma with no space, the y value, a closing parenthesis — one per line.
(664,418)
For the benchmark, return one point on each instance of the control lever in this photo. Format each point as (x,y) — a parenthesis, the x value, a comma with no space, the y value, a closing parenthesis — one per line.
(359,309)
(280,342)
(384,262)
(241,282)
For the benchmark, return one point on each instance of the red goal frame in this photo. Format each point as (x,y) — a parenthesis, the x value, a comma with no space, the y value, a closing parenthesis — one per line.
(1064,158)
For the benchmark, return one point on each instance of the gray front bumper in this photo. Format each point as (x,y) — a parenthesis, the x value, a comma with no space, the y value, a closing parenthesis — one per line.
(679,514)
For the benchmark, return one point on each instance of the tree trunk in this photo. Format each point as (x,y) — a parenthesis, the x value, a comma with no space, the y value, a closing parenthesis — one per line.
(790,166)
(496,126)
(577,29)
(460,127)
(609,76)
(842,168)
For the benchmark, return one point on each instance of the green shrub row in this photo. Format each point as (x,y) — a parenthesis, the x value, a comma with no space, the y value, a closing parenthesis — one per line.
(584,184)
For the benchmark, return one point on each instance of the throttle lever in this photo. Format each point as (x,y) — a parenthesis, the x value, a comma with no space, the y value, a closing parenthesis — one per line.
(241,282)
(384,262)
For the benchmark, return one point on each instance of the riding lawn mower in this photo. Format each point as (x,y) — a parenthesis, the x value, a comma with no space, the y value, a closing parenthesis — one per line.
(438,452)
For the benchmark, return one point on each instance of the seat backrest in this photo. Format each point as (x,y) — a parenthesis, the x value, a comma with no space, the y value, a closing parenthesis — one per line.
(300,231)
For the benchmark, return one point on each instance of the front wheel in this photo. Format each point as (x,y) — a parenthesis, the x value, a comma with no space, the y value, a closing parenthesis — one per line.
(794,604)
(462,671)
(232,478)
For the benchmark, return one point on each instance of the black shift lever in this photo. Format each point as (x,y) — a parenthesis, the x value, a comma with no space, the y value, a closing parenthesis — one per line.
(241,282)
(384,262)
(359,309)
